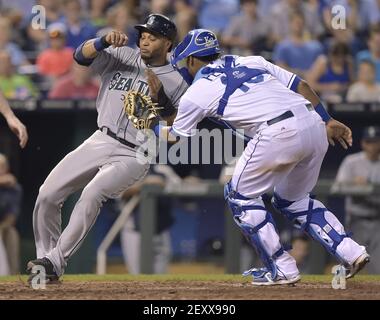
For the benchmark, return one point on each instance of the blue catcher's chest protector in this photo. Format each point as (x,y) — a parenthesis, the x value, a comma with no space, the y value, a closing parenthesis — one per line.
(234,79)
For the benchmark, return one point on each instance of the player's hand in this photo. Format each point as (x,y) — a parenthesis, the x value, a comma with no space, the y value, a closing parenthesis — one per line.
(117,38)
(337,131)
(154,84)
(18,129)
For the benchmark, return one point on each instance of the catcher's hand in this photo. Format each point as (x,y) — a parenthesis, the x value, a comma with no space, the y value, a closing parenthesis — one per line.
(339,132)
(140,110)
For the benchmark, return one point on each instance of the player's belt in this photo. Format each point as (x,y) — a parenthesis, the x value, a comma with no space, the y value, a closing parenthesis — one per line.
(113,135)
(286,115)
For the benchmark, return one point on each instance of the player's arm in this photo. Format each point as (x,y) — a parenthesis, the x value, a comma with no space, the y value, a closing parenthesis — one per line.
(185,123)
(88,51)
(167,110)
(335,129)
(14,123)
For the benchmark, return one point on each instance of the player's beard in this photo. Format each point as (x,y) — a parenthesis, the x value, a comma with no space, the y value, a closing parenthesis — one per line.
(153,58)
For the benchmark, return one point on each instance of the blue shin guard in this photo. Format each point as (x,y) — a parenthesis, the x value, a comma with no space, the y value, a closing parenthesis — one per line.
(241,207)
(315,223)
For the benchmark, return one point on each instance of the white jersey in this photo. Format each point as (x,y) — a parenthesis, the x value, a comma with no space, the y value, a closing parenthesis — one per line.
(264,98)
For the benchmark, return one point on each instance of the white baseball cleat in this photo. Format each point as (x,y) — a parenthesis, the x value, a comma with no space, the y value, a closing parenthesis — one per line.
(358,265)
(263,277)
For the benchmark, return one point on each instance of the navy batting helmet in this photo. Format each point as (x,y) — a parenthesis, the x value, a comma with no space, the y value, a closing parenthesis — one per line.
(158,24)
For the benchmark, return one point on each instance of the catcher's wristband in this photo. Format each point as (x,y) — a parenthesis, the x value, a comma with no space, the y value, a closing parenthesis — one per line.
(155,124)
(320,109)
(101,43)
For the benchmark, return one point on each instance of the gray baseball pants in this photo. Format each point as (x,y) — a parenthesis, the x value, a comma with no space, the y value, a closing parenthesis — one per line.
(104,168)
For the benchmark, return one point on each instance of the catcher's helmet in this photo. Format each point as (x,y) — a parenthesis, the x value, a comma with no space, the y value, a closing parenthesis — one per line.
(158,24)
(197,43)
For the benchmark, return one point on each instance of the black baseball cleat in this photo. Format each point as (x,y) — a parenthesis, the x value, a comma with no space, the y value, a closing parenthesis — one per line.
(51,275)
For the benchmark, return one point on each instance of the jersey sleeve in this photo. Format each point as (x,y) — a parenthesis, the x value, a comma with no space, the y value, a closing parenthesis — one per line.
(111,58)
(288,79)
(188,116)
(176,97)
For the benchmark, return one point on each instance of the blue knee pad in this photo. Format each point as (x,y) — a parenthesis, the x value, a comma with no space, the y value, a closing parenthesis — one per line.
(313,217)
(249,231)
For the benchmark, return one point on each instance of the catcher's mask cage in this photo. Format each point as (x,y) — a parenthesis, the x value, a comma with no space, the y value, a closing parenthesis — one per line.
(197,43)
(160,25)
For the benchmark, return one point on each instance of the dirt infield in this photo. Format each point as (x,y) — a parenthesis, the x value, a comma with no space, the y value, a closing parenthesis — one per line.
(234,289)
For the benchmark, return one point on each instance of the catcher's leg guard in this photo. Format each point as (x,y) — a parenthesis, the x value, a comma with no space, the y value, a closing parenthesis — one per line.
(320,224)
(258,227)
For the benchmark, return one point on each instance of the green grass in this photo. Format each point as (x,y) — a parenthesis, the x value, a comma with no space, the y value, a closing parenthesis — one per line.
(184,277)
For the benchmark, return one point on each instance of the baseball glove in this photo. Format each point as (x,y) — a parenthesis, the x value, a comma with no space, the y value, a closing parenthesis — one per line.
(140,110)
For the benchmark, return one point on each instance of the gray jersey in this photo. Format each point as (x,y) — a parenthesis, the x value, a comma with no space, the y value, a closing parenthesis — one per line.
(122,69)
(358,165)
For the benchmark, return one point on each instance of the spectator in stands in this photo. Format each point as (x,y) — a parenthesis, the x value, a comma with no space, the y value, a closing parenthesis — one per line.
(78,84)
(56,60)
(52,14)
(12,84)
(10,201)
(363,212)
(17,56)
(297,54)
(78,28)
(24,7)
(245,29)
(265,7)
(160,6)
(215,15)
(185,17)
(97,12)
(332,74)
(346,36)
(282,15)
(161,175)
(373,53)
(366,89)
(16,19)
(119,18)
(369,12)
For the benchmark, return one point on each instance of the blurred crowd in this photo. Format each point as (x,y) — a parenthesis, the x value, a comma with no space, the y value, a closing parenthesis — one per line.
(341,60)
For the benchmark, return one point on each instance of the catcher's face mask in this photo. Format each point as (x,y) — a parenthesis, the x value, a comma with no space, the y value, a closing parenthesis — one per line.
(197,43)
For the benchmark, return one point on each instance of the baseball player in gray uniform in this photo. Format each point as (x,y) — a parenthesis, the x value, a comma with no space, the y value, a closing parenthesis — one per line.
(105,164)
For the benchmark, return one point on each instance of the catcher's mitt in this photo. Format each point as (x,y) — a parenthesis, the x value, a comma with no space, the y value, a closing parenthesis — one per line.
(140,110)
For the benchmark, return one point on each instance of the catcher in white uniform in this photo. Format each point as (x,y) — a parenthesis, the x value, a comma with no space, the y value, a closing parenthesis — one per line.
(289,131)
